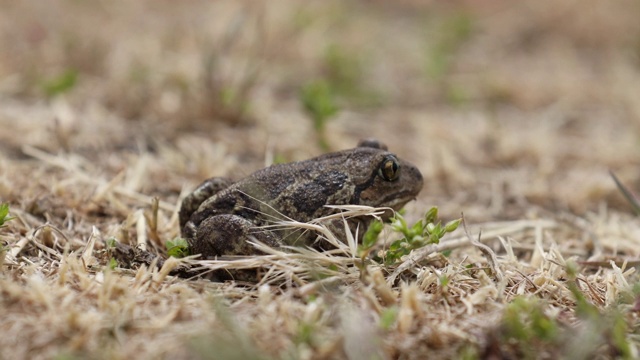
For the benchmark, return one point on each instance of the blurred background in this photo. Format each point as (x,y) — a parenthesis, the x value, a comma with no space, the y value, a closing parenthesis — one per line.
(508,108)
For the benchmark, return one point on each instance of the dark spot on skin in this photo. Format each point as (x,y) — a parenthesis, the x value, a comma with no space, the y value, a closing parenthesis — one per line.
(248,208)
(274,186)
(355,199)
(311,196)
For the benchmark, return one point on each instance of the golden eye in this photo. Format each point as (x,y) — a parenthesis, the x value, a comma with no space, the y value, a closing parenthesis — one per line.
(389,169)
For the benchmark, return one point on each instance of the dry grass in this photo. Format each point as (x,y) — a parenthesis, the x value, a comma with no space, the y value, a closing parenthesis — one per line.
(514,113)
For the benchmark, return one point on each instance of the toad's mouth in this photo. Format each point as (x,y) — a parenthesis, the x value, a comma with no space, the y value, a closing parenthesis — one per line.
(397,200)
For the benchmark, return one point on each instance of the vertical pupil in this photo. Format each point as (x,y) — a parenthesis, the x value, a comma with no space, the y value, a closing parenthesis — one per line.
(390,169)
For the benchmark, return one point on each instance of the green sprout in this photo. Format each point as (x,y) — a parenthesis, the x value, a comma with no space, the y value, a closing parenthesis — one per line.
(388,317)
(344,70)
(113,263)
(524,320)
(60,83)
(525,328)
(111,242)
(319,102)
(177,247)
(428,230)
(453,33)
(4,214)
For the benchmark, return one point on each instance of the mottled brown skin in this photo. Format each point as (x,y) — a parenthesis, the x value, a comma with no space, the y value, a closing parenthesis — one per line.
(220,216)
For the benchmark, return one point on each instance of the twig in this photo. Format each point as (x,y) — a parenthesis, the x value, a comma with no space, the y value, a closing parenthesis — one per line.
(490,254)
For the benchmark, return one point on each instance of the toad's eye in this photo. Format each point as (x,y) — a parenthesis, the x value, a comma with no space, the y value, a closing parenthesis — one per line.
(389,169)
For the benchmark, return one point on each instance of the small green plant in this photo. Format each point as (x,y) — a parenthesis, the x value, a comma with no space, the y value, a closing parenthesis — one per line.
(442,49)
(305,333)
(113,263)
(525,328)
(177,247)
(524,320)
(388,317)
(319,102)
(605,328)
(584,308)
(111,242)
(456,95)
(428,230)
(60,83)
(371,236)
(4,214)
(453,33)
(280,159)
(343,70)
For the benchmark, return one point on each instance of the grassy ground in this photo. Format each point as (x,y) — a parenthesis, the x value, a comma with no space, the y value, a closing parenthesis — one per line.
(514,113)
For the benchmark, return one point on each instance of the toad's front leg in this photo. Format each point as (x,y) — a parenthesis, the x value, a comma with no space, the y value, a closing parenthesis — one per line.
(204,191)
(228,234)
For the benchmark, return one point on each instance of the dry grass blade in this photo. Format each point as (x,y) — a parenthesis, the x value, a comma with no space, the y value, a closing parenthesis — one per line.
(68,165)
(630,196)
(303,264)
(491,256)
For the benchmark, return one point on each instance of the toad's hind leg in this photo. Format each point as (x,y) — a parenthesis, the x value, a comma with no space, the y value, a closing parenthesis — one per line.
(207,189)
(228,234)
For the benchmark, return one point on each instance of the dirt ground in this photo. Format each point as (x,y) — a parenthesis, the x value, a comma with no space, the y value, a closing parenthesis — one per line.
(514,112)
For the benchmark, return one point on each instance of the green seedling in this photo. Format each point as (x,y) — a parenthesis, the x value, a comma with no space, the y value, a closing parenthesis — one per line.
(4,215)
(456,95)
(608,328)
(428,230)
(453,33)
(177,248)
(388,317)
(113,263)
(371,236)
(111,242)
(305,333)
(344,71)
(524,320)
(60,83)
(280,159)
(318,100)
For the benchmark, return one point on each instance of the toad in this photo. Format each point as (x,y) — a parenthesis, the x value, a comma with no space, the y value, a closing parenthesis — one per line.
(221,216)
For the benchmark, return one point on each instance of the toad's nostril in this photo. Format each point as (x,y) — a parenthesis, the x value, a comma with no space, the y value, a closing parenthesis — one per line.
(418,174)
(415,173)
